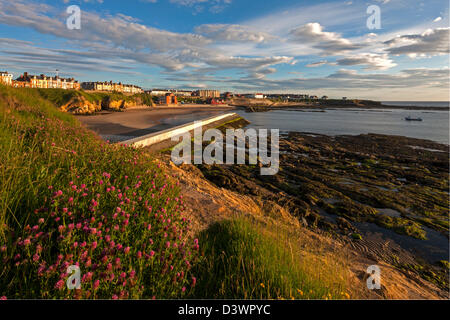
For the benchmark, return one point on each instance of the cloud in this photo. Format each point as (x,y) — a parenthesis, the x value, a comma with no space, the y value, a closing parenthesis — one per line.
(117,31)
(124,37)
(351,80)
(437,19)
(280,22)
(215,6)
(317,64)
(254,63)
(25,56)
(249,52)
(14,42)
(330,43)
(372,61)
(232,32)
(429,43)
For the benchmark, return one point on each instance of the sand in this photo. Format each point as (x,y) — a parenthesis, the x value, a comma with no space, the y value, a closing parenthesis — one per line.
(134,122)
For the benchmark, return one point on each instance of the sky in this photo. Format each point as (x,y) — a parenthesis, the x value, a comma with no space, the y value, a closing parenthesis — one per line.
(333,48)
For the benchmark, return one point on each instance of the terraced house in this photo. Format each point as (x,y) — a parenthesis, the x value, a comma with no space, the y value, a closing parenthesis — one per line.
(6,78)
(45,82)
(110,86)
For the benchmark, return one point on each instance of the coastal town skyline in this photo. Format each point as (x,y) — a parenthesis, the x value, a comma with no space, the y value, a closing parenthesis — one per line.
(266,48)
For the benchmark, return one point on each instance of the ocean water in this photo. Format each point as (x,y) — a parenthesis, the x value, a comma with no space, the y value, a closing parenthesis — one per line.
(418,103)
(435,124)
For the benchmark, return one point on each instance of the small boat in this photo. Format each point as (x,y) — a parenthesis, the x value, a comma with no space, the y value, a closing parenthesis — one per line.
(408,118)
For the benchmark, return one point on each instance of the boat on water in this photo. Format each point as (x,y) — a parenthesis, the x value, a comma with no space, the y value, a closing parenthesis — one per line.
(408,118)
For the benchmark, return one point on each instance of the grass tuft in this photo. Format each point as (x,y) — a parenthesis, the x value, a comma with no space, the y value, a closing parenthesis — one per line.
(244,259)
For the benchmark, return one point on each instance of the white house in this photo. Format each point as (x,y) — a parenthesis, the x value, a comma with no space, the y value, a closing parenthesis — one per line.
(6,78)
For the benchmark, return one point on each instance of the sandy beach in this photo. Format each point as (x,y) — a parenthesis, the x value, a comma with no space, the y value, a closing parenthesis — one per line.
(134,122)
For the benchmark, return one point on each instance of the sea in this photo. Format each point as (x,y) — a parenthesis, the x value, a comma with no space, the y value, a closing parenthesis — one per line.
(434,127)
(417,103)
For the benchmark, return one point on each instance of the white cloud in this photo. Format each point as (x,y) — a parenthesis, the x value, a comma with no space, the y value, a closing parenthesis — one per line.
(429,43)
(437,19)
(125,37)
(232,32)
(117,31)
(372,61)
(330,43)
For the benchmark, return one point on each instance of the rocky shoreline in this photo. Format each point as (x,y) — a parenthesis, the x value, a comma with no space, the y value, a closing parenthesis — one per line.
(385,196)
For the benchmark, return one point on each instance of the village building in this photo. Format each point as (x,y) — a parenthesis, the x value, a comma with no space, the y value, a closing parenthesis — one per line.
(6,78)
(45,82)
(182,93)
(170,99)
(163,92)
(111,86)
(159,92)
(207,93)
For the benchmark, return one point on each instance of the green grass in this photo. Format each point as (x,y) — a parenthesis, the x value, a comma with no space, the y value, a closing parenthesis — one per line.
(55,175)
(243,259)
(60,97)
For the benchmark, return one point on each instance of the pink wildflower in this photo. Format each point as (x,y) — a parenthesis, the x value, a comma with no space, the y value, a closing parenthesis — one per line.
(59,285)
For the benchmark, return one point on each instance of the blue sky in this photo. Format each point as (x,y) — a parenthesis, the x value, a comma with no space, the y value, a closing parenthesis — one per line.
(315,47)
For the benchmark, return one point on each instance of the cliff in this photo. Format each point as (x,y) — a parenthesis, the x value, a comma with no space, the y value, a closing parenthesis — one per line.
(81,102)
